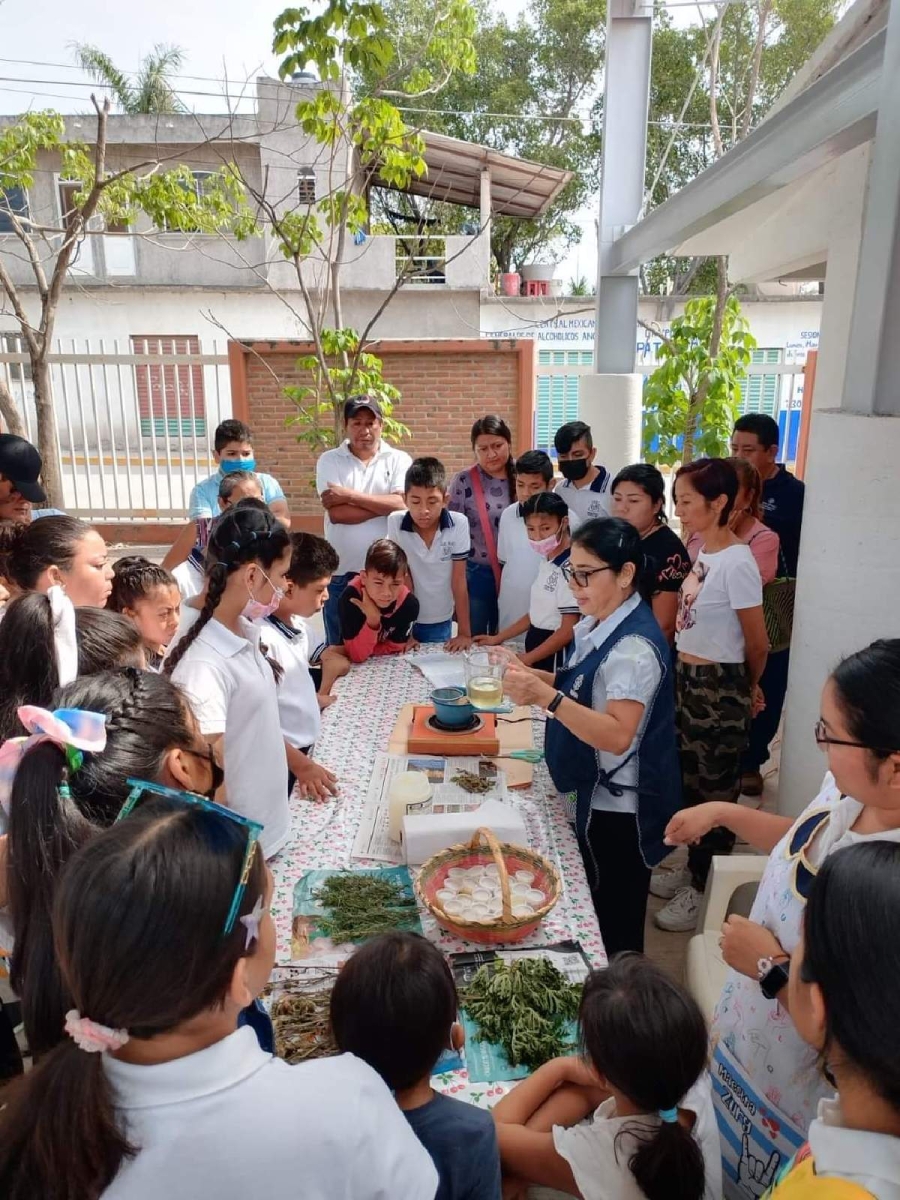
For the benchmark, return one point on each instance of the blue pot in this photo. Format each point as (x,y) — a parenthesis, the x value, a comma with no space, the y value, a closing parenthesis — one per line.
(451,706)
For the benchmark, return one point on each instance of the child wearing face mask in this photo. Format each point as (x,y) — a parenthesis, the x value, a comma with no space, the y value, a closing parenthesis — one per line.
(221,665)
(552,612)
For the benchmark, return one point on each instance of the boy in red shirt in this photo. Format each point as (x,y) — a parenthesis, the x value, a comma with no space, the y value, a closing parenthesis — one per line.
(377,609)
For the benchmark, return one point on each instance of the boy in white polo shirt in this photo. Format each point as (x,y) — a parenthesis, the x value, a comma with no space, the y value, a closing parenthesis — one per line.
(520,562)
(585,484)
(359,483)
(436,542)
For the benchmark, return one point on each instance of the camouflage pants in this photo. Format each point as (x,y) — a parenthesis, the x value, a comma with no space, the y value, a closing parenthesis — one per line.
(713,717)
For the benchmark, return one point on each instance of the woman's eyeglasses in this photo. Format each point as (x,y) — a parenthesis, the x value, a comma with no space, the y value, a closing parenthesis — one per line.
(580,578)
(141,788)
(824,739)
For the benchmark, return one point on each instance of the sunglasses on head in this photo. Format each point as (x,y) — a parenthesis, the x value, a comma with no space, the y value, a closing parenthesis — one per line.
(142,789)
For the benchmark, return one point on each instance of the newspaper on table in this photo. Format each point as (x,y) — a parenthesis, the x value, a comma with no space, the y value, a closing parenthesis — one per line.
(309,941)
(441,669)
(373,840)
(486,1062)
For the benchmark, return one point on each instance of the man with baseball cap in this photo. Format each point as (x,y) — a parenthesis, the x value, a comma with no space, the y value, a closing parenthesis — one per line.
(359,483)
(20,470)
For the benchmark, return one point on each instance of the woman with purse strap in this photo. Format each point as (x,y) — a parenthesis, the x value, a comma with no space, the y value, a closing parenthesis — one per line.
(481,493)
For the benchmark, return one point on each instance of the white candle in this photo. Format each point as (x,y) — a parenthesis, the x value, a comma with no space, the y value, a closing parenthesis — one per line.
(409,790)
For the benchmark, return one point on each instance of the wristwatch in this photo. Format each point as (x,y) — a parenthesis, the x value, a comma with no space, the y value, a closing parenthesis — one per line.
(554,704)
(772,976)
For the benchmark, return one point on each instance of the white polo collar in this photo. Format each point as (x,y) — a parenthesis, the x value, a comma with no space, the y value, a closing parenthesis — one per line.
(383,448)
(589,634)
(851,1152)
(214,1069)
(226,643)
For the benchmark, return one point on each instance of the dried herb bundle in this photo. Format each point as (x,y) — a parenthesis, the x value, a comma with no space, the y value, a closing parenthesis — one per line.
(361,905)
(470,782)
(523,1006)
(302,1026)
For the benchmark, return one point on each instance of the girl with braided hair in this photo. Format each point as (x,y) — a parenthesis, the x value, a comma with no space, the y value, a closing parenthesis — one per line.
(58,794)
(148,596)
(221,666)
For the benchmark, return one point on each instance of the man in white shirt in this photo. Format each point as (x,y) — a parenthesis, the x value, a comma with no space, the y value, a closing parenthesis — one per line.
(585,484)
(359,483)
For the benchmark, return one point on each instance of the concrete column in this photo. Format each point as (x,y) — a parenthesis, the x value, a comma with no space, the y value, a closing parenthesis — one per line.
(611,405)
(629,33)
(485,203)
(849,575)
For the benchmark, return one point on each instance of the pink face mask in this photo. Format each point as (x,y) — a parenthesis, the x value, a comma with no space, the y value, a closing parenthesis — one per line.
(255,610)
(547,545)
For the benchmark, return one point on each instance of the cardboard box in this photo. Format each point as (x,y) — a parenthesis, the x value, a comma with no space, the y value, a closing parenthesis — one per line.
(426,834)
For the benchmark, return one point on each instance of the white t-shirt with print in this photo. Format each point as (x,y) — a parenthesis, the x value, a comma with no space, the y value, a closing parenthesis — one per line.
(380,476)
(235,1123)
(715,590)
(231,690)
(757,1031)
(599,1148)
(432,566)
(551,596)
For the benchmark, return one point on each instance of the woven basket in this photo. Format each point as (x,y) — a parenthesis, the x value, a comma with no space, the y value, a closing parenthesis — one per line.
(480,851)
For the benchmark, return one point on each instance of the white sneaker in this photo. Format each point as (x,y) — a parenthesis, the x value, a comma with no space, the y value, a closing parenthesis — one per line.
(668,882)
(682,912)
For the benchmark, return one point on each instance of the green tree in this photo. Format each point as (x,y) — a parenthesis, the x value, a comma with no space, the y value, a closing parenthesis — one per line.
(711,84)
(545,64)
(166,194)
(691,399)
(151,90)
(361,137)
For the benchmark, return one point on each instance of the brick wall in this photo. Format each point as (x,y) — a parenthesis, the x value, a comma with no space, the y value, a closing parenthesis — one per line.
(445,385)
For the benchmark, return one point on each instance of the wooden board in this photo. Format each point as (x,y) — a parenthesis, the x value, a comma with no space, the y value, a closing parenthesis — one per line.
(422,739)
(512,737)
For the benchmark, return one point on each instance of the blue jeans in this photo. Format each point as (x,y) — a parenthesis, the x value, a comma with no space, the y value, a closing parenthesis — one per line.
(330,613)
(436,631)
(482,597)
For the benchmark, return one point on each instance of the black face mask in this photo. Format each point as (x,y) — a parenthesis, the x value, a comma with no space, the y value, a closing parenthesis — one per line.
(574,468)
(218,775)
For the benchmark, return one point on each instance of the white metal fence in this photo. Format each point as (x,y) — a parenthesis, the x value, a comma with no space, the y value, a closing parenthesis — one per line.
(136,423)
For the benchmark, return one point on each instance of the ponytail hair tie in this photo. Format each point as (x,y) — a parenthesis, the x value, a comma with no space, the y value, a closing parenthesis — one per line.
(669,1116)
(92,1037)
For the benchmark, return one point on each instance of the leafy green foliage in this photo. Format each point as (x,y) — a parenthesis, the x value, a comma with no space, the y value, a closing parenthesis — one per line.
(320,402)
(691,399)
(369,130)
(546,63)
(151,91)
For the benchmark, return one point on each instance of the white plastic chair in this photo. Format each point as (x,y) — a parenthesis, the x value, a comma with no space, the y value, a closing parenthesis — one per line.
(706,970)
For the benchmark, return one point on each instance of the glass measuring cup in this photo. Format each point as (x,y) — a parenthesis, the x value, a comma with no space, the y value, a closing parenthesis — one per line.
(484,677)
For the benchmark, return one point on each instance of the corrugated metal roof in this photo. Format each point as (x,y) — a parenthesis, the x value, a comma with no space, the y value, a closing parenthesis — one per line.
(519,188)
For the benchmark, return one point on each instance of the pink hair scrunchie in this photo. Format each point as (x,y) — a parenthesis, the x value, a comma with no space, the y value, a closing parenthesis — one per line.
(91,1037)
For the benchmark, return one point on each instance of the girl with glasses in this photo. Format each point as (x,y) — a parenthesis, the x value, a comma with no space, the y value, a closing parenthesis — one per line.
(610,734)
(55,803)
(859,730)
(154,1090)
(221,665)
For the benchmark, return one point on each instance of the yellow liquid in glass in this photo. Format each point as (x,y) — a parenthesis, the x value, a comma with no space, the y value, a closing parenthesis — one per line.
(485,692)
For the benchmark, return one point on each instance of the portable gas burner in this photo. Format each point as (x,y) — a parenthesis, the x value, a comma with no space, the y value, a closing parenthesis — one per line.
(431,736)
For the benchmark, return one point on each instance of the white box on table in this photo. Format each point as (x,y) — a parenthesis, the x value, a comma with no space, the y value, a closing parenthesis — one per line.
(426,834)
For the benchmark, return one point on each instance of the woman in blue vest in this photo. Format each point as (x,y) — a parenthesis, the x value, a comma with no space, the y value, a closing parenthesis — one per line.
(610,736)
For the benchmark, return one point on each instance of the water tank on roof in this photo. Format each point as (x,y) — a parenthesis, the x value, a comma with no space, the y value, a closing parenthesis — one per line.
(304,77)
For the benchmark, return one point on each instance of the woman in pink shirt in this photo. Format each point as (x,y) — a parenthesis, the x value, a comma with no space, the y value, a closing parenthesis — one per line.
(744,521)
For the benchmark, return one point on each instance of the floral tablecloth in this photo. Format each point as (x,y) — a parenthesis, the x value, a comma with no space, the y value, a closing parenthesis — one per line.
(354,729)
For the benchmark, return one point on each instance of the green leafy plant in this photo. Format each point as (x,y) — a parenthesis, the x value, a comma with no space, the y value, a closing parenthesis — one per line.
(691,399)
(363,136)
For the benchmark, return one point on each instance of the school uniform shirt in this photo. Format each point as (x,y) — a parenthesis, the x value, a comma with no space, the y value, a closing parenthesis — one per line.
(835,1155)
(432,566)
(669,556)
(631,671)
(189,577)
(360,640)
(232,691)
(762,543)
(782,510)
(756,1031)
(717,588)
(599,1148)
(520,563)
(298,703)
(550,596)
(462,1142)
(590,501)
(204,501)
(238,1124)
(382,475)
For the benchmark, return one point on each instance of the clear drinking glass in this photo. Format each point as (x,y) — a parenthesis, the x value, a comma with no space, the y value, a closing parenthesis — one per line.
(484,677)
